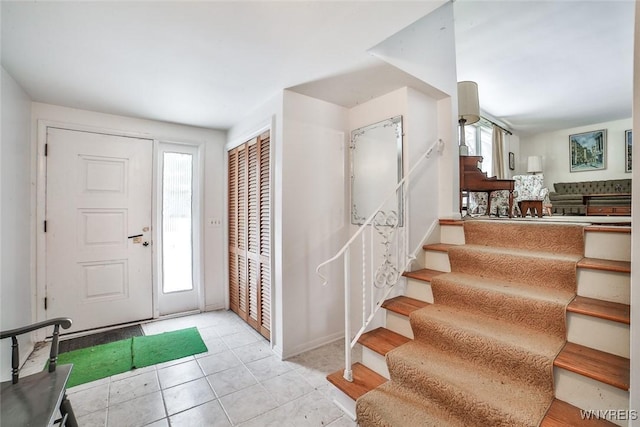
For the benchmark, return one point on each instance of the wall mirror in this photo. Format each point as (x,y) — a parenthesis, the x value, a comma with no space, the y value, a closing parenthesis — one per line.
(376,168)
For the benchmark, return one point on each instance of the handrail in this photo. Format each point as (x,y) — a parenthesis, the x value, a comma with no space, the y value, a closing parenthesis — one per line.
(345,253)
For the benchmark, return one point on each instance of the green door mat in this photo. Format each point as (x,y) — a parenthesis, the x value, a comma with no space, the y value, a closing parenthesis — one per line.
(101,361)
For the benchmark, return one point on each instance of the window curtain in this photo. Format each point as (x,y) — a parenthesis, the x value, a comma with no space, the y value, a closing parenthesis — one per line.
(498,153)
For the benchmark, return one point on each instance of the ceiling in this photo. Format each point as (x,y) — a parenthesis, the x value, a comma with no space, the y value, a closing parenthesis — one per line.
(205,63)
(539,65)
(548,65)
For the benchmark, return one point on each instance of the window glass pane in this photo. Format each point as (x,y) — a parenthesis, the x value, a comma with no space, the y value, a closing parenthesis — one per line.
(470,139)
(177,230)
(486,149)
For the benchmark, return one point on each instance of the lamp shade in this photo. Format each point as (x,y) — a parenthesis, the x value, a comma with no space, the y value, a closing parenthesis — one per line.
(534,164)
(468,104)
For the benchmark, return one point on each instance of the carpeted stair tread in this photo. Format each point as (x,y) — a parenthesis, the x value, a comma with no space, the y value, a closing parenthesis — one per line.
(598,365)
(465,387)
(488,343)
(364,380)
(513,301)
(403,305)
(382,340)
(607,310)
(425,274)
(510,288)
(562,414)
(605,265)
(390,405)
(539,236)
(535,268)
(490,327)
(500,251)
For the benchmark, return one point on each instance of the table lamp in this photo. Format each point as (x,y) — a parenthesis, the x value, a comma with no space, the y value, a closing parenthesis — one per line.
(534,164)
(468,110)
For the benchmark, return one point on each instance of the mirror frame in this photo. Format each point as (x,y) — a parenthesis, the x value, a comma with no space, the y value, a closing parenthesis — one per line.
(395,125)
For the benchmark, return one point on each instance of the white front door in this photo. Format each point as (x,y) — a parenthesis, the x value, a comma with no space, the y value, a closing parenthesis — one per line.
(98,228)
(179,226)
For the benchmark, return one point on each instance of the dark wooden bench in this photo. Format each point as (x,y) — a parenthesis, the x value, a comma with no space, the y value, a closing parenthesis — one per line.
(39,399)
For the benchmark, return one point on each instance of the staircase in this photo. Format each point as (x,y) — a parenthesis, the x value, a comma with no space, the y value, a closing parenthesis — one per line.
(591,371)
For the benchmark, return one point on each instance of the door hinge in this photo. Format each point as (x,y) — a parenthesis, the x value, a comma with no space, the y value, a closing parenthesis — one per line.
(45,303)
(46,150)
(45,226)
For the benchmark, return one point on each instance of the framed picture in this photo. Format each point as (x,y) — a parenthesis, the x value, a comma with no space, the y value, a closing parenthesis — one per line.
(588,151)
(628,145)
(512,161)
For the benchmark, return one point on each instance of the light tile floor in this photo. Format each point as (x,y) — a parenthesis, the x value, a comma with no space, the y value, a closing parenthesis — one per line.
(239,381)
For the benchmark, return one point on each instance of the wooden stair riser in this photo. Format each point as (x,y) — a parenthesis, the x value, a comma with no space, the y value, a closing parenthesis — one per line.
(437,260)
(605,285)
(606,245)
(600,334)
(419,289)
(452,234)
(587,393)
(399,324)
(344,402)
(375,361)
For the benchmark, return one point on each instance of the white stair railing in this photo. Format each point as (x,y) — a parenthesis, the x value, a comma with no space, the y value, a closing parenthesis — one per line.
(377,284)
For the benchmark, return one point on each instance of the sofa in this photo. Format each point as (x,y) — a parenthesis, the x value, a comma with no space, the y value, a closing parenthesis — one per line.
(607,197)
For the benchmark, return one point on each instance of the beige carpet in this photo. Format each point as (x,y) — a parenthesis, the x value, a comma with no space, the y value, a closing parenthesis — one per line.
(483,352)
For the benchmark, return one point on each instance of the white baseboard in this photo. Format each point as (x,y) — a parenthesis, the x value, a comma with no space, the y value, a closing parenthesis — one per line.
(312,345)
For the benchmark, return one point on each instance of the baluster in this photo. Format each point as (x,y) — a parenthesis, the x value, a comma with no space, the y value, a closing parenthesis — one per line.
(53,354)
(372,263)
(364,281)
(348,374)
(15,359)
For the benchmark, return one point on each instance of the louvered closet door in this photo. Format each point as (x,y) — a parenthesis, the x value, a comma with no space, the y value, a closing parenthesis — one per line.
(237,230)
(249,233)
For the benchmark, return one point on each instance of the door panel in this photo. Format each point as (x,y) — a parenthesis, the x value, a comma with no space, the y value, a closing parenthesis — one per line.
(98,194)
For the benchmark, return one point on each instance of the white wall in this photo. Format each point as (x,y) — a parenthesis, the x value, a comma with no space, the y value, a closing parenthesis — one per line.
(214,189)
(420,121)
(420,128)
(15,231)
(554,149)
(426,50)
(512,144)
(314,220)
(421,131)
